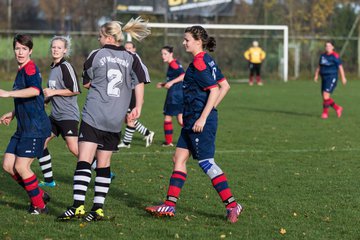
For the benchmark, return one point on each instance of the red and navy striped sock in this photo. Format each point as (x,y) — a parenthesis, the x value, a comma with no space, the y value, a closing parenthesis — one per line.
(221,186)
(18,179)
(333,104)
(35,193)
(326,105)
(168,130)
(177,181)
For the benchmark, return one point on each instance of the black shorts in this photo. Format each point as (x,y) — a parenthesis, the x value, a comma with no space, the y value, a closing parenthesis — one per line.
(132,101)
(107,141)
(67,128)
(254,68)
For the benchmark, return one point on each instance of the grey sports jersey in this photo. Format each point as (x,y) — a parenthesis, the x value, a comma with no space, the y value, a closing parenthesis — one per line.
(110,70)
(147,76)
(63,76)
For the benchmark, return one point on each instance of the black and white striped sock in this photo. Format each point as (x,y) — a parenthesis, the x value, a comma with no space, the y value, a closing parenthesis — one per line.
(46,166)
(94,163)
(141,128)
(102,185)
(82,178)
(129,132)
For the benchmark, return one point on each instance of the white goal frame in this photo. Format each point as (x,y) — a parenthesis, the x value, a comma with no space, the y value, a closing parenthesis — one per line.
(282,28)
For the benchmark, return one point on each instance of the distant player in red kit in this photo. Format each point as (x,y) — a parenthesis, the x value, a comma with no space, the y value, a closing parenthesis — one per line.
(174,102)
(329,67)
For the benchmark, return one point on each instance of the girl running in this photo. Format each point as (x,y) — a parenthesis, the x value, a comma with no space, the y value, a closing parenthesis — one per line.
(329,67)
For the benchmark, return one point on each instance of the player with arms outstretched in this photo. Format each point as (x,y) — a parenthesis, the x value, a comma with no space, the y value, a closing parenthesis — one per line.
(109,72)
(204,88)
(174,102)
(33,125)
(329,67)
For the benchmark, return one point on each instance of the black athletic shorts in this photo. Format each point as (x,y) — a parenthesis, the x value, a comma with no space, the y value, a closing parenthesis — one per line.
(106,141)
(255,68)
(67,128)
(132,101)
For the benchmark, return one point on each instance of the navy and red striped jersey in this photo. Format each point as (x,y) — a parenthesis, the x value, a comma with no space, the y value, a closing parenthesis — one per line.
(329,63)
(32,120)
(201,75)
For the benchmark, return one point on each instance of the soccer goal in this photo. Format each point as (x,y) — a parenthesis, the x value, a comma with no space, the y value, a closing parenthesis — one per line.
(232,41)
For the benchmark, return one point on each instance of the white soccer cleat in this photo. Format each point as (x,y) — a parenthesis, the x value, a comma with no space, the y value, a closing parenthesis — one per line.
(123,145)
(149,138)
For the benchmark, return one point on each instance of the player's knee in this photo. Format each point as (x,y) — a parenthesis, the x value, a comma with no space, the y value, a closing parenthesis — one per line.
(210,168)
(20,167)
(8,166)
(74,150)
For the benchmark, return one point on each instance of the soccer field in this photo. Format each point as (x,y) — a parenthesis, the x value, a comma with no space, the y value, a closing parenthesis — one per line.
(291,171)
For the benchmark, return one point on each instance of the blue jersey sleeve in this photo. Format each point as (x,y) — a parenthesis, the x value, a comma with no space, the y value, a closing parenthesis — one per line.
(337,60)
(207,77)
(219,76)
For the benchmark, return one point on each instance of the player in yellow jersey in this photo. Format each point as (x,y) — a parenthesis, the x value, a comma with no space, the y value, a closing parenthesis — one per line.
(255,55)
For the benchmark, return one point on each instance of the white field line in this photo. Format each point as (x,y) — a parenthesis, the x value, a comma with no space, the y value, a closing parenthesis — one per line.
(125,152)
(251,151)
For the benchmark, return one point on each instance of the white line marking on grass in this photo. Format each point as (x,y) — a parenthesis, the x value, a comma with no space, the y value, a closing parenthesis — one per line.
(240,151)
(252,151)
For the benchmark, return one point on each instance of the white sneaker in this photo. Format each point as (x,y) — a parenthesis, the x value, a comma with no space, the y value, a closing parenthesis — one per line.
(123,145)
(165,144)
(149,138)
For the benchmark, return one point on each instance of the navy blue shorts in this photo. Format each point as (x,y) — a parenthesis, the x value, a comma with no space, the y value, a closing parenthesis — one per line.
(26,147)
(173,109)
(201,145)
(328,83)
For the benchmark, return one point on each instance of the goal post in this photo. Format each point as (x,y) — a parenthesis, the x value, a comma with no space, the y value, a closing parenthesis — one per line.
(283,28)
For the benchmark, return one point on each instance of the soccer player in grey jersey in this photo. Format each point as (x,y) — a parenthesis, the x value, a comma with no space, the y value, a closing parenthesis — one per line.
(132,125)
(108,72)
(62,91)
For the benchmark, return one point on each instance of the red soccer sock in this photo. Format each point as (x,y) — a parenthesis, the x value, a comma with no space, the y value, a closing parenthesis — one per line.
(333,104)
(251,79)
(326,106)
(258,79)
(168,130)
(221,186)
(177,181)
(34,192)
(18,179)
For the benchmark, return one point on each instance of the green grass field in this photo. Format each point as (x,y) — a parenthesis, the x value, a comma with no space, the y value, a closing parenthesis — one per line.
(289,168)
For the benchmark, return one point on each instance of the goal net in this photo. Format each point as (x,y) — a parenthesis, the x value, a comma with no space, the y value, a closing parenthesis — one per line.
(232,41)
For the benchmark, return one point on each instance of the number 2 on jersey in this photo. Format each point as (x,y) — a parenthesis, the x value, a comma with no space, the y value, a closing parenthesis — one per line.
(115,79)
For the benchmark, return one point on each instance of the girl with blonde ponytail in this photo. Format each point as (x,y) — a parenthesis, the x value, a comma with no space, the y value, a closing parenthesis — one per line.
(108,73)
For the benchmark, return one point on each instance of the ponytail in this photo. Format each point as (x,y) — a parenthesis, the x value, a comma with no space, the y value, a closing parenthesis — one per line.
(137,28)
